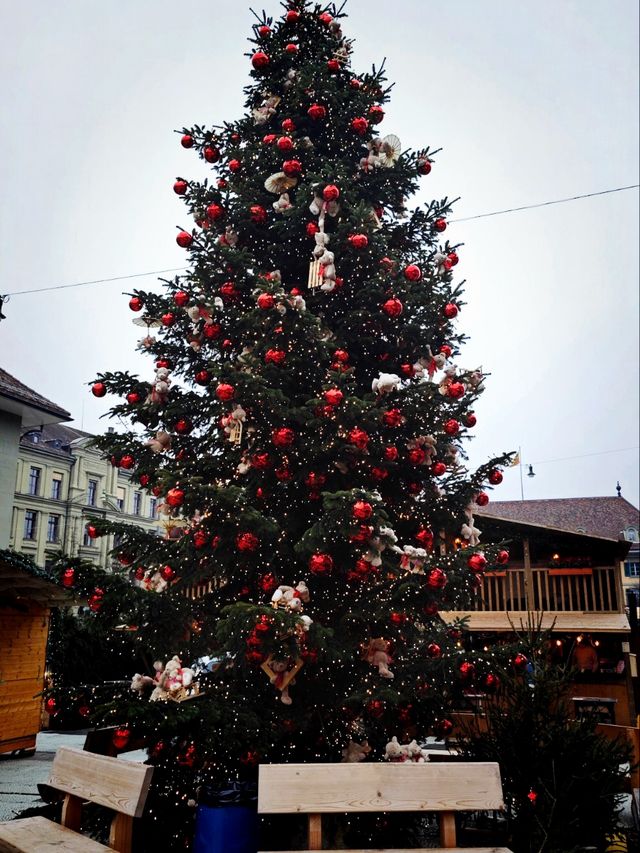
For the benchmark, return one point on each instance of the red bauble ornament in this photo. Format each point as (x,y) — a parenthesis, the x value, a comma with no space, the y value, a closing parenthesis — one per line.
(532,796)
(266,301)
(212,331)
(317,112)
(311,229)
(456,390)
(228,291)
(247,542)
(417,456)
(414,488)
(224,391)
(275,356)
(502,557)
(425,537)
(330,192)
(68,577)
(424,166)
(482,498)
(184,426)
(325,18)
(133,398)
(320,564)
(283,437)
(84,711)
(375,708)
(412,272)
(175,497)
(98,389)
(392,418)
(168,319)
(95,600)
(139,573)
(451,427)
(269,138)
(264,31)
(397,618)
(438,469)
(358,241)
(477,563)
(315,480)
(211,154)
(51,706)
(234,166)
(450,310)
(360,125)
(359,438)
(187,141)
(284,474)
(200,539)
(379,474)
(136,304)
(333,65)
(341,355)
(288,125)
(167,573)
(436,579)
(292,168)
(285,143)
(443,728)
(127,462)
(163,362)
(181,298)
(434,651)
(121,737)
(92,531)
(440,225)
(491,682)
(453,258)
(467,670)
(362,510)
(184,239)
(446,350)
(258,214)
(391,453)
(291,48)
(260,60)
(260,461)
(333,396)
(202,377)
(292,16)
(250,758)
(393,307)
(362,534)
(215,212)
(376,114)
(431,608)
(520,662)
(495,477)
(221,184)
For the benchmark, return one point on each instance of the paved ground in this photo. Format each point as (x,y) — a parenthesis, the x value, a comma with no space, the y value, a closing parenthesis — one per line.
(19,777)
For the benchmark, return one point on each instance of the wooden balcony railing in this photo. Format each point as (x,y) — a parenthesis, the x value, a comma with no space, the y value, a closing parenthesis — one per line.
(585,590)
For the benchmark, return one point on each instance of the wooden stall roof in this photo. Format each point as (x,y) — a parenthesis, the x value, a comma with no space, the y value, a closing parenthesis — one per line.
(565,621)
(21,578)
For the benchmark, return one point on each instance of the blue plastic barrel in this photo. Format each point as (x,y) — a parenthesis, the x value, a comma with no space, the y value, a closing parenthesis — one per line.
(226,824)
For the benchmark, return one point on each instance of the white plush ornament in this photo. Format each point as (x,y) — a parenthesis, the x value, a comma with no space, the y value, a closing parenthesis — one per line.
(427,443)
(290,79)
(297,302)
(291,598)
(160,388)
(450,375)
(229,238)
(237,416)
(283,203)
(385,383)
(263,113)
(474,380)
(468,530)
(412,559)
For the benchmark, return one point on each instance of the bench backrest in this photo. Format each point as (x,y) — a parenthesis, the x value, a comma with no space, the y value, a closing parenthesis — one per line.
(115,783)
(378,787)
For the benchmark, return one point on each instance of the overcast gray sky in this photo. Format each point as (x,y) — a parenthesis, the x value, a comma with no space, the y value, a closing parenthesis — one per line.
(530,101)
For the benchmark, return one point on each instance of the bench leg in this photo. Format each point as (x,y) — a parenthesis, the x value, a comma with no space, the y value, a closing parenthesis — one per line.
(120,836)
(448,829)
(72,812)
(315,832)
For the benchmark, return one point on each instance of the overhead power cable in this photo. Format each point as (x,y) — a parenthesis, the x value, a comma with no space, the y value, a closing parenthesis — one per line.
(584,455)
(464,219)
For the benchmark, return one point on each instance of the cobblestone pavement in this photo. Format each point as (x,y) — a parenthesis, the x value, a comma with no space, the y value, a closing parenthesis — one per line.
(19,776)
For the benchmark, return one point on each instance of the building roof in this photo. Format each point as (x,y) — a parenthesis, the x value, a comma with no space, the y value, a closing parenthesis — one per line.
(605,517)
(33,408)
(21,578)
(55,438)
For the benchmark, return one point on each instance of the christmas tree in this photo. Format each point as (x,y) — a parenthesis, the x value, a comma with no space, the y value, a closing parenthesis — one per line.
(304,429)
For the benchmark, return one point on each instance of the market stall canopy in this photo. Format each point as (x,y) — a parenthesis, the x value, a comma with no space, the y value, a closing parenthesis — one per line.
(21,578)
(567,622)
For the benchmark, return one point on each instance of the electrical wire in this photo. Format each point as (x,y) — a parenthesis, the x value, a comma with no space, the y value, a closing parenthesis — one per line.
(464,219)
(583,455)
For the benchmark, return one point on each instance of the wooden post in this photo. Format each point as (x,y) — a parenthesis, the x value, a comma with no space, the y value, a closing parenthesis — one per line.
(120,835)
(72,812)
(529,592)
(315,832)
(448,829)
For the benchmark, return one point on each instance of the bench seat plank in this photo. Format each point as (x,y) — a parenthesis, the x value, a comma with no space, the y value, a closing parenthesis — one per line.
(413,850)
(40,835)
(377,787)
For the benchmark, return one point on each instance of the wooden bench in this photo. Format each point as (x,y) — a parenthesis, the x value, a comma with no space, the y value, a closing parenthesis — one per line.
(117,784)
(317,789)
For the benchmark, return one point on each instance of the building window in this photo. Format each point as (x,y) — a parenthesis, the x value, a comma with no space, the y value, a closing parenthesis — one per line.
(92,492)
(153,508)
(120,499)
(56,488)
(34,481)
(632,570)
(30,524)
(630,534)
(87,541)
(53,528)
(137,503)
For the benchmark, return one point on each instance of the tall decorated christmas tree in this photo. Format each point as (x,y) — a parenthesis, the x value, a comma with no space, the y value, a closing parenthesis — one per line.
(303,428)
